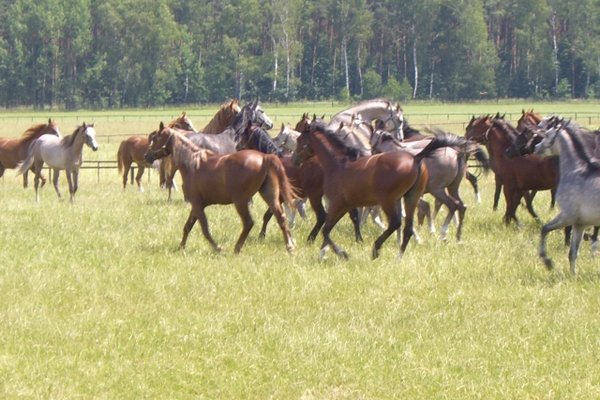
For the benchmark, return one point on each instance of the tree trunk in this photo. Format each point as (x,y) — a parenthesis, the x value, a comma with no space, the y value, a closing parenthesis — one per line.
(415,69)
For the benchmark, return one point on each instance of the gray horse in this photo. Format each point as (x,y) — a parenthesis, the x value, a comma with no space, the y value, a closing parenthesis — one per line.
(578,188)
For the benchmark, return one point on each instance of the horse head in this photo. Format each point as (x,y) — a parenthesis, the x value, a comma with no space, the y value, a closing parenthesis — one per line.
(160,144)
(90,136)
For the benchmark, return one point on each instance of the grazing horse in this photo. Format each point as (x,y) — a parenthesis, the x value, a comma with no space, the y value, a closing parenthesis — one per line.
(446,168)
(210,178)
(14,151)
(223,118)
(306,178)
(382,179)
(578,188)
(132,150)
(518,175)
(60,153)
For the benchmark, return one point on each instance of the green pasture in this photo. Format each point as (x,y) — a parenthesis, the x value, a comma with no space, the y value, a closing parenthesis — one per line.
(96,301)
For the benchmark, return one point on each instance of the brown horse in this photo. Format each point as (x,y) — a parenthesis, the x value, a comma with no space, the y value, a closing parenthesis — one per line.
(223,118)
(528,120)
(381,179)
(517,175)
(14,151)
(307,179)
(132,150)
(234,178)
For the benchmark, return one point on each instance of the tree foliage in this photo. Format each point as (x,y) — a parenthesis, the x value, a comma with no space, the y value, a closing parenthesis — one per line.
(138,53)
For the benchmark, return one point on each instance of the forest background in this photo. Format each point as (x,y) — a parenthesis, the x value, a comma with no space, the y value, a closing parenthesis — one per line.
(145,53)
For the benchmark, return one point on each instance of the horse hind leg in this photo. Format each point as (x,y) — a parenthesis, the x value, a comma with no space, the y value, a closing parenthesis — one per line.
(574,248)
(247,223)
(138,178)
(55,176)
(271,196)
(394,223)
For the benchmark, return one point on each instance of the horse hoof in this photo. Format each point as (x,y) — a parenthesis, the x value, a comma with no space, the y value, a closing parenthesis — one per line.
(344,255)
(548,263)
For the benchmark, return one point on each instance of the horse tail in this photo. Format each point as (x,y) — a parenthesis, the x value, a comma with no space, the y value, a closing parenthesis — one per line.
(275,168)
(482,157)
(24,165)
(120,157)
(444,139)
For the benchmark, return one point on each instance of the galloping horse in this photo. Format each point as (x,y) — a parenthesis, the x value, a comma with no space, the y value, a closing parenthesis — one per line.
(132,150)
(306,178)
(382,179)
(60,153)
(224,179)
(517,175)
(578,188)
(14,151)
(223,118)
(446,168)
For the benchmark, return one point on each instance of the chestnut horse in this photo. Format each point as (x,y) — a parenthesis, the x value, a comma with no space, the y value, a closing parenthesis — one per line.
(223,118)
(234,178)
(516,175)
(132,150)
(382,179)
(14,151)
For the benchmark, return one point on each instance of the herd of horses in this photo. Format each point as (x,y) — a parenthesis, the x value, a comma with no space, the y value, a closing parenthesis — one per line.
(366,159)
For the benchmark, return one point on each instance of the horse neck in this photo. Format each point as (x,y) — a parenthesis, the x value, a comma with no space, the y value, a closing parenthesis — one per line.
(570,160)
(218,123)
(184,151)
(325,150)
(74,142)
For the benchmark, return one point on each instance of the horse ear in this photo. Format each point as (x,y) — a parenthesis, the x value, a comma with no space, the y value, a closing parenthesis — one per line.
(161,126)
(323,116)
(49,121)
(282,126)
(84,125)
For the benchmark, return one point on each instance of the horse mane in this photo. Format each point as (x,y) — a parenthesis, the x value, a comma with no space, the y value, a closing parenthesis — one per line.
(68,140)
(264,143)
(33,131)
(574,131)
(506,127)
(186,153)
(335,142)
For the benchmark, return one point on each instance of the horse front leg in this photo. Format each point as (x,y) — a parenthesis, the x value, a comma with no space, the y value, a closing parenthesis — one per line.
(72,185)
(55,176)
(394,223)
(355,218)
(320,214)
(556,223)
(334,213)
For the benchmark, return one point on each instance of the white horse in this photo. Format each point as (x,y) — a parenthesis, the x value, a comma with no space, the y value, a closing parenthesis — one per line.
(60,153)
(578,188)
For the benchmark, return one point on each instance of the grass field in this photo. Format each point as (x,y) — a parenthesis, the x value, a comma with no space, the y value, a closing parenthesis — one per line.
(97,302)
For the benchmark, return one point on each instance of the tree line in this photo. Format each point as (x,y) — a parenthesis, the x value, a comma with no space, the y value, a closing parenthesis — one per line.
(142,53)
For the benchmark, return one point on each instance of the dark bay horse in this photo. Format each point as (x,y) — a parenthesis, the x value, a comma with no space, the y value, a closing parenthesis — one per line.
(210,178)
(382,179)
(132,150)
(516,175)
(14,151)
(307,179)
(578,188)
(223,118)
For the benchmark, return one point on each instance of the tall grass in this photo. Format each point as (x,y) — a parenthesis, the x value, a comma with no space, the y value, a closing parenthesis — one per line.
(97,301)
